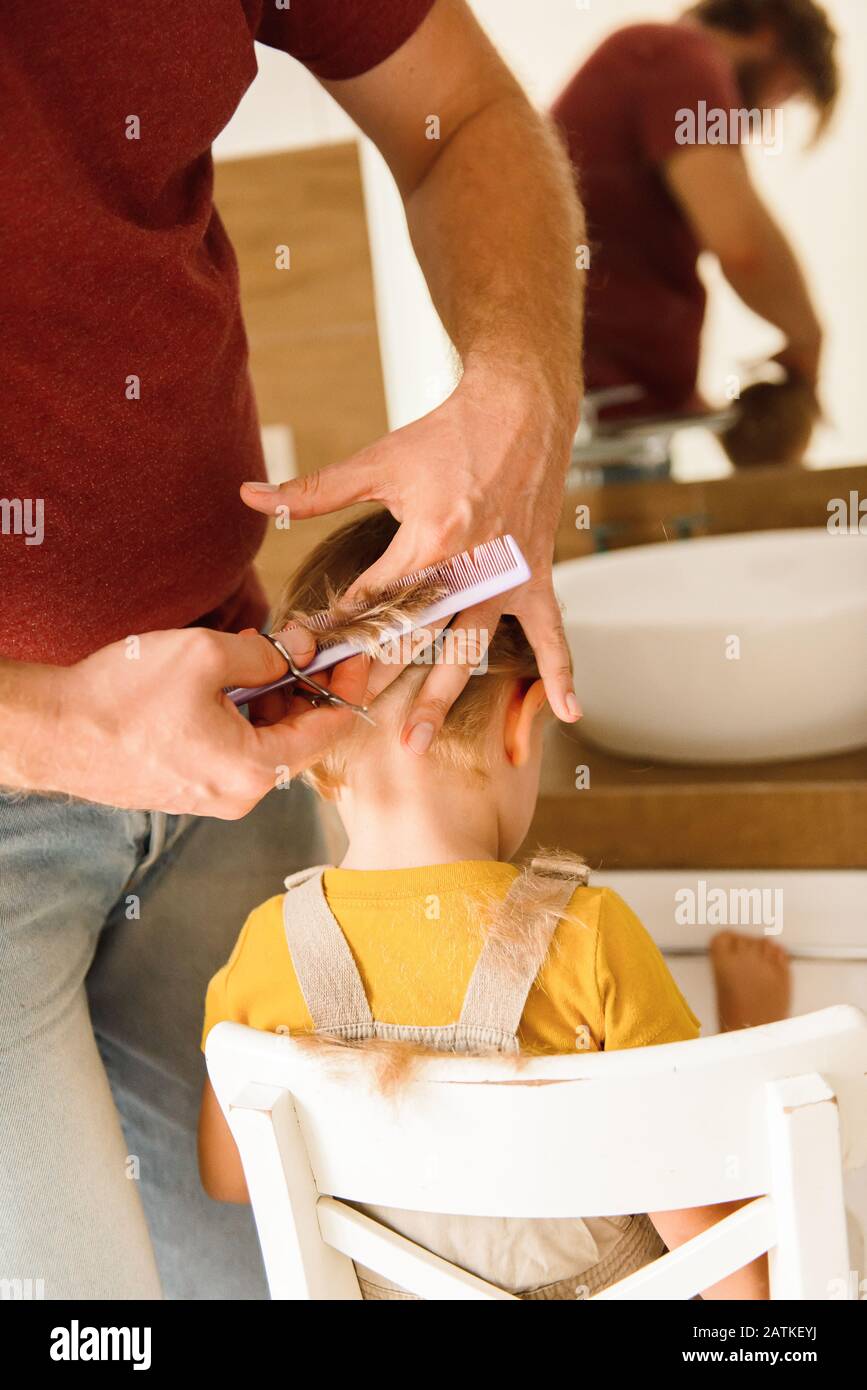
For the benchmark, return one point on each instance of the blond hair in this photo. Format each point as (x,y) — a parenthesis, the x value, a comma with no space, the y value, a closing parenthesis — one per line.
(319,586)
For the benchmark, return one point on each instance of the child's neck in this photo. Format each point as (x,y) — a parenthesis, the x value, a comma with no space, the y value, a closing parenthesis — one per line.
(410,831)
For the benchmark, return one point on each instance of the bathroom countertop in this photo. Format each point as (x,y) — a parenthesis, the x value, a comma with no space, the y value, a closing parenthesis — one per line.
(637,814)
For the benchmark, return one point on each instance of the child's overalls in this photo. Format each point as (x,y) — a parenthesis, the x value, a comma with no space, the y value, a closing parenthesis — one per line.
(538,1258)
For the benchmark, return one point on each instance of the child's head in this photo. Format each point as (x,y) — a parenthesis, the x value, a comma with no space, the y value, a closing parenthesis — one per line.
(774,423)
(484,763)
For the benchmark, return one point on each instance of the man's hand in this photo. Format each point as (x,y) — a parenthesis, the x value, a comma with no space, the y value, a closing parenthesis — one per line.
(802,360)
(491,459)
(144,723)
(496,224)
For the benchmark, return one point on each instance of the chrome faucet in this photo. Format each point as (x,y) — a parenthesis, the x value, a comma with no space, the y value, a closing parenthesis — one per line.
(630,449)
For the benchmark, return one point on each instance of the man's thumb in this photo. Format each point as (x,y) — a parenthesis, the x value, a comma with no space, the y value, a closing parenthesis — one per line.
(250,659)
(314,494)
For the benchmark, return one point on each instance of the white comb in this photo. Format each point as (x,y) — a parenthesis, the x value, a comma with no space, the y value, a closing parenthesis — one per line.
(467,579)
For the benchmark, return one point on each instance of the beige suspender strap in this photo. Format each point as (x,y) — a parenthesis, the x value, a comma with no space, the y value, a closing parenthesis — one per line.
(505,974)
(324,965)
(332,987)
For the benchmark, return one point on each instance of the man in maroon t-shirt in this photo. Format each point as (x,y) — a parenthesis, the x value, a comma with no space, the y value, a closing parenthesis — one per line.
(127,430)
(663,178)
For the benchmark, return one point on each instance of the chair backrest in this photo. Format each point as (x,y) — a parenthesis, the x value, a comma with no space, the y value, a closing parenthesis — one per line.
(680,1125)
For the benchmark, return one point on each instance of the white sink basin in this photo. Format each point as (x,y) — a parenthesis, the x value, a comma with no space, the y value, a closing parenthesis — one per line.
(651,631)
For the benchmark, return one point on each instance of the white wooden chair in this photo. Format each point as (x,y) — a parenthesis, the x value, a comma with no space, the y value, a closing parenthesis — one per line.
(773,1113)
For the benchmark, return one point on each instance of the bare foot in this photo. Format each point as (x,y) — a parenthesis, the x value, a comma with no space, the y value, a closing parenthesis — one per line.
(753,980)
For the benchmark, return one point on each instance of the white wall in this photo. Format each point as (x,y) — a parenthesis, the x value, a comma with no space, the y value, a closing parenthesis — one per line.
(820,196)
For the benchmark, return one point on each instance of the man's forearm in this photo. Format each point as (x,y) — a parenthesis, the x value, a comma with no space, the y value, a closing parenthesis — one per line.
(496,224)
(712,184)
(770,281)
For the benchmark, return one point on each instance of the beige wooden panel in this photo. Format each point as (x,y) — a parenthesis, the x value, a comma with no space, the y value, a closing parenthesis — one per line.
(314,349)
(637,814)
(758,499)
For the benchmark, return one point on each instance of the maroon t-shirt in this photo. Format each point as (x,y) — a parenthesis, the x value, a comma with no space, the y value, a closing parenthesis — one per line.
(114,265)
(645,301)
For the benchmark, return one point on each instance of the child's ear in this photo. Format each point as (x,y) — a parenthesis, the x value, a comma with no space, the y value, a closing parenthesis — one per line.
(525,702)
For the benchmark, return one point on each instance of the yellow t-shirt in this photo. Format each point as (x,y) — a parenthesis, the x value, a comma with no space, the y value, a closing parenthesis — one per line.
(604,983)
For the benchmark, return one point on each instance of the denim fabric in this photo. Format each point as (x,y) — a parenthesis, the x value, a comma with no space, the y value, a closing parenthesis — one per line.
(111,925)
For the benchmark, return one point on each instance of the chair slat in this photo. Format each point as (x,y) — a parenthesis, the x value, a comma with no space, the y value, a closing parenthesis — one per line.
(283,1196)
(811,1253)
(415,1269)
(704,1260)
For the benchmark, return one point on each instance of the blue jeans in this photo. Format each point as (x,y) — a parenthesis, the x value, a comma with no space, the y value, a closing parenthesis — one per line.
(111,924)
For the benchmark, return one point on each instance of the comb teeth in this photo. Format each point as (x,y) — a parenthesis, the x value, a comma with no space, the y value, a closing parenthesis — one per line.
(470,567)
(466,579)
(318,622)
(486,562)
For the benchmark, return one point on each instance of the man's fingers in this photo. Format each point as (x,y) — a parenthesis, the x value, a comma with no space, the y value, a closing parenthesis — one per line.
(349,679)
(539,614)
(397,656)
(245,658)
(315,494)
(464,646)
(292,744)
(270,708)
(305,733)
(398,559)
(299,643)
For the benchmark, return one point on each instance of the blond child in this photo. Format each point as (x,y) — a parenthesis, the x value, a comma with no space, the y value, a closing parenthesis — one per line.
(426,934)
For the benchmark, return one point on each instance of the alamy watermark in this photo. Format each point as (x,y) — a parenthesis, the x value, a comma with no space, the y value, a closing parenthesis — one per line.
(77,1343)
(713,125)
(730,907)
(847,516)
(451,647)
(21,1290)
(23,516)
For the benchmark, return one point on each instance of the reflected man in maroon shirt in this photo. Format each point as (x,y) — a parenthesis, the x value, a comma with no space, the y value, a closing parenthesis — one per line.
(655,120)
